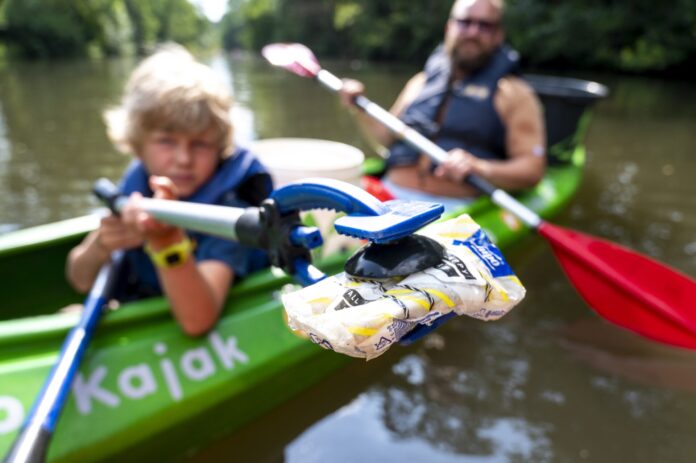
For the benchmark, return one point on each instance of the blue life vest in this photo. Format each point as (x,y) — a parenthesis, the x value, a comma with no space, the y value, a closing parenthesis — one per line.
(239,181)
(470,120)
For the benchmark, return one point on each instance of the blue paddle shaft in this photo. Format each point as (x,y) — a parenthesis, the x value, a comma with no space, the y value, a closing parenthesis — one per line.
(32,442)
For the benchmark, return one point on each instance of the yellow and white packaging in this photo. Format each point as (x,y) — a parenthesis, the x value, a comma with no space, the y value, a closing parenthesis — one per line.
(364,318)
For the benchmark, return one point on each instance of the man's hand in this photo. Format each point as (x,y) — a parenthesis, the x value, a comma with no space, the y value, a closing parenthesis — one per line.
(459,164)
(351,89)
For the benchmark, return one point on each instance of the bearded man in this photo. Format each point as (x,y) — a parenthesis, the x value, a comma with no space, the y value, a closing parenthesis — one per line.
(469,100)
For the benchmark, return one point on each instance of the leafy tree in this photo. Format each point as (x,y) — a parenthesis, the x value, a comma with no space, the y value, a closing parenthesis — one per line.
(232,24)
(624,35)
(156,21)
(251,24)
(48,28)
(383,29)
(630,35)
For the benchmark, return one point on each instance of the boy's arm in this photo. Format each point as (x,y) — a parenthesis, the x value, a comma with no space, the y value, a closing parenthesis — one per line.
(84,262)
(85,259)
(196,291)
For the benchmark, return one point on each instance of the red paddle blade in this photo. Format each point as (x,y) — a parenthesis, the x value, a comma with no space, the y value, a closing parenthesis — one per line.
(627,288)
(376,188)
(294,57)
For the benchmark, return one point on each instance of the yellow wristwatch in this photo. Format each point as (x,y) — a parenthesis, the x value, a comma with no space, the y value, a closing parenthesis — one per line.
(173,255)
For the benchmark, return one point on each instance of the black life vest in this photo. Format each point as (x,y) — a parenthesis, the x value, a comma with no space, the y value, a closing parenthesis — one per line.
(470,120)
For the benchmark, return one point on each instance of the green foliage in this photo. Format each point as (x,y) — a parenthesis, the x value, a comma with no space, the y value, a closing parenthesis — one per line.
(403,31)
(184,24)
(634,36)
(231,25)
(53,28)
(248,24)
(156,21)
(369,29)
(624,35)
(347,15)
(48,27)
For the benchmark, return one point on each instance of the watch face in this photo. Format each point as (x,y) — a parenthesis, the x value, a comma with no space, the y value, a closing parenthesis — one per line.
(173,255)
(173,258)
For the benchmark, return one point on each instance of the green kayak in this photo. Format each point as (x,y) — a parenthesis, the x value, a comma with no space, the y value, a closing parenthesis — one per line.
(145,390)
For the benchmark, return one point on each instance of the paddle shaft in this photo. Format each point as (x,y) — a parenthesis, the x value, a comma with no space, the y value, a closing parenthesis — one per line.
(437,154)
(31,444)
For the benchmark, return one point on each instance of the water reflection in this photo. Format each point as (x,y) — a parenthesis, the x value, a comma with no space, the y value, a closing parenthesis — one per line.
(619,352)
(366,436)
(242,117)
(5,156)
(53,143)
(639,187)
(58,146)
(477,402)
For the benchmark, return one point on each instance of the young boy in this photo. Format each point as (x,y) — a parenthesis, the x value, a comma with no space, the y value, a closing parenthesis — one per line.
(175,118)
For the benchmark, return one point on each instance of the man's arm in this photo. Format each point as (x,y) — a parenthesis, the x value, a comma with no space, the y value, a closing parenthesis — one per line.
(520,111)
(376,132)
(525,142)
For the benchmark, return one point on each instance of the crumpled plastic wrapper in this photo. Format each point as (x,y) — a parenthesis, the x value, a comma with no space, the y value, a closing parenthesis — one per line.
(363,318)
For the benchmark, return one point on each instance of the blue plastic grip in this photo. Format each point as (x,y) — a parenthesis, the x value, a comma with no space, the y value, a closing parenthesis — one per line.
(307,237)
(421,330)
(324,193)
(367,217)
(307,274)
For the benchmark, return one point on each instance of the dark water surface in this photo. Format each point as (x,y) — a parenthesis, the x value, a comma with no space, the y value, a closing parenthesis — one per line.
(548,383)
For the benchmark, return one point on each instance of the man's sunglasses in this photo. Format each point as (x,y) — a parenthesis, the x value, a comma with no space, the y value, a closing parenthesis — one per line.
(487,27)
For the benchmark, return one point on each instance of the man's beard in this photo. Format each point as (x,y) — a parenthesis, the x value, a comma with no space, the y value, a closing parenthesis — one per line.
(469,64)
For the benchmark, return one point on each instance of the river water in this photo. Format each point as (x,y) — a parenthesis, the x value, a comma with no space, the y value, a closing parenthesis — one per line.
(548,383)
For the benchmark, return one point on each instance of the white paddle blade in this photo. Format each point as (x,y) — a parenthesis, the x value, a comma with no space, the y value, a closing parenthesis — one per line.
(294,57)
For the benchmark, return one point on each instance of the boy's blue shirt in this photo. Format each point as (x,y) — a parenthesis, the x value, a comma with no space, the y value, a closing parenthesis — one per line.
(139,277)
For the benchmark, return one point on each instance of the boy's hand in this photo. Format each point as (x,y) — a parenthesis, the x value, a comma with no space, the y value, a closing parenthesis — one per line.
(114,234)
(158,234)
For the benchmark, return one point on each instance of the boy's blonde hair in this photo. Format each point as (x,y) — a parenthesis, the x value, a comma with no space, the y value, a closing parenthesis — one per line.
(171,91)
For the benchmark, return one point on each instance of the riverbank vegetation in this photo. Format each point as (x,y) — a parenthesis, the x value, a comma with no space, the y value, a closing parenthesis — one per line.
(69,28)
(635,36)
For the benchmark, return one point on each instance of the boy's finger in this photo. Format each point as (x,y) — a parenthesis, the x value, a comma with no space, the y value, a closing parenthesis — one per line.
(163,187)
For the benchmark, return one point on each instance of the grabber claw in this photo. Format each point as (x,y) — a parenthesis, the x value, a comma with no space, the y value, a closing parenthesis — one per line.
(367,218)
(393,250)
